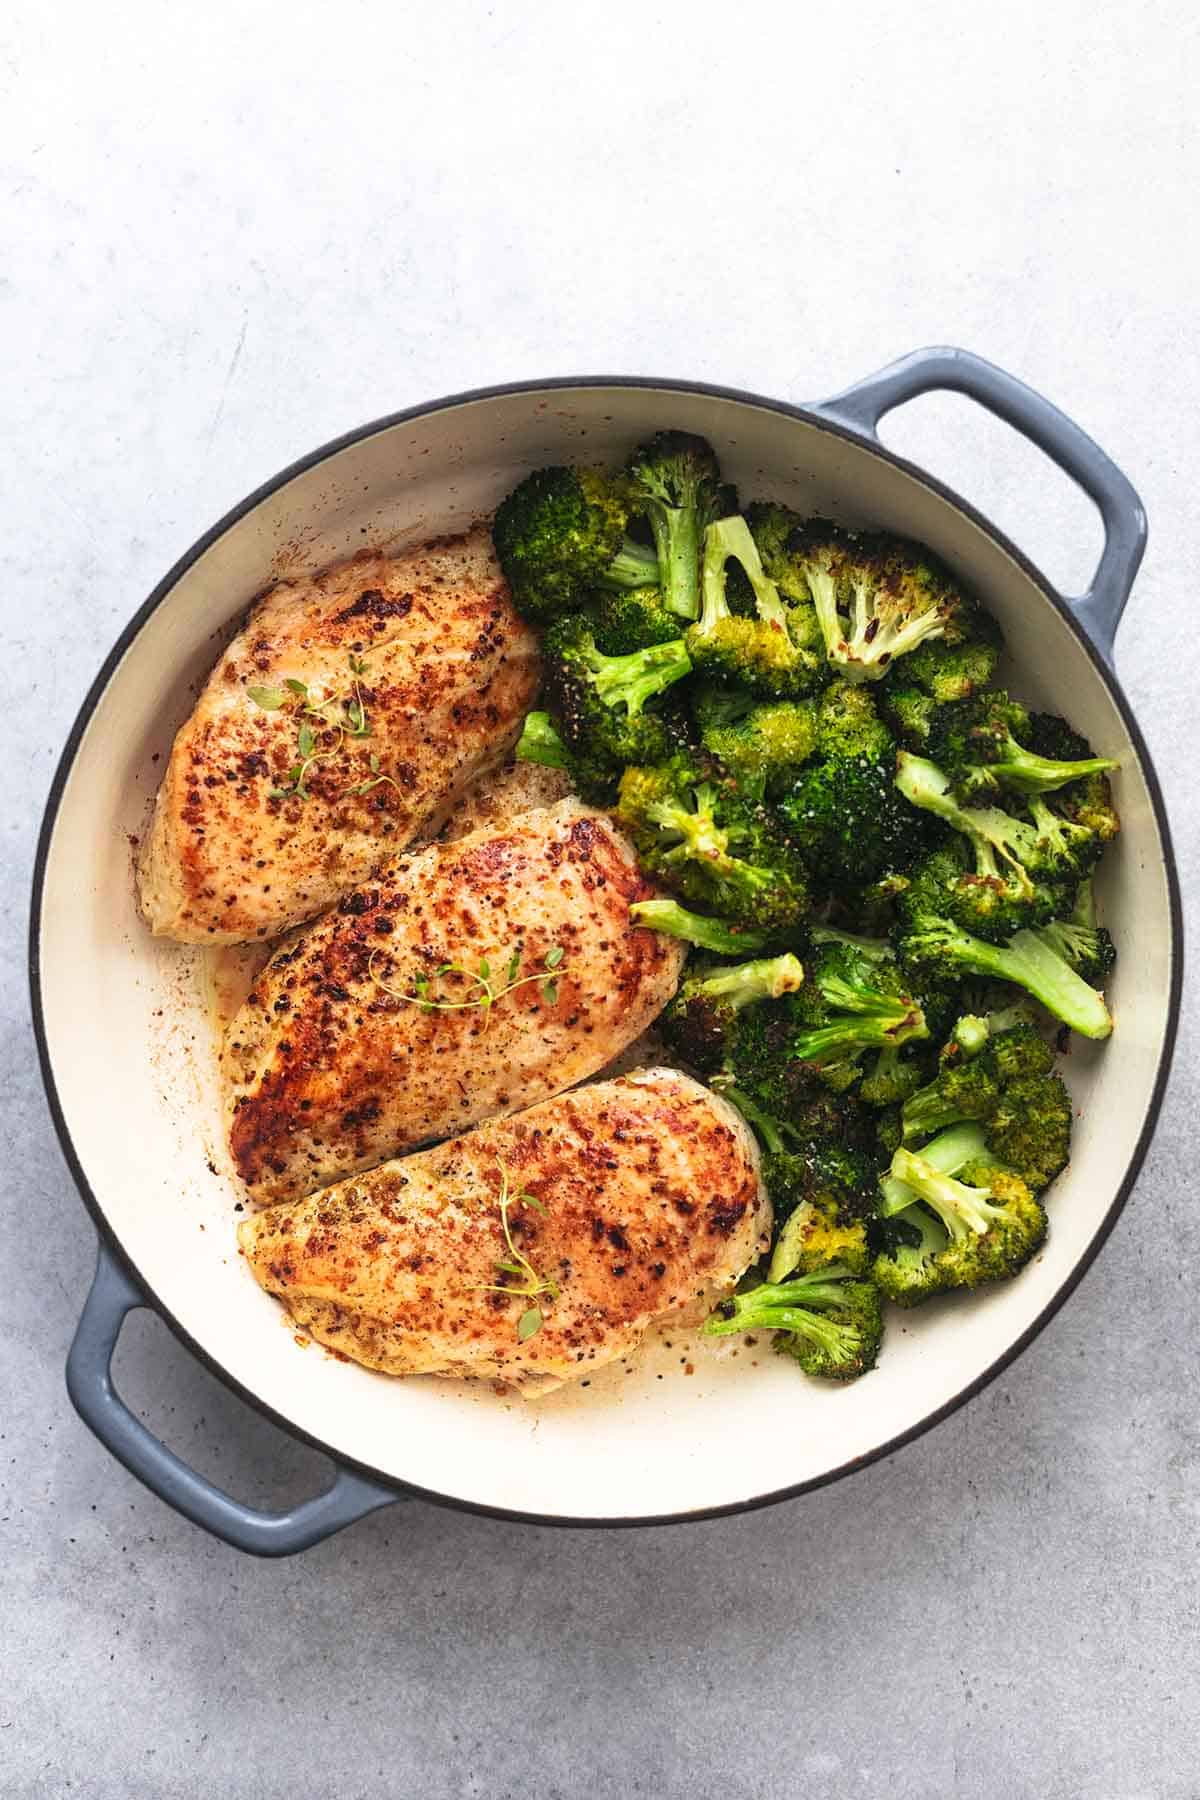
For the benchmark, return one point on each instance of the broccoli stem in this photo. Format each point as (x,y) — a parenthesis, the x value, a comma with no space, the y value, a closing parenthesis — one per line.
(990,830)
(785,1306)
(731,538)
(766,1127)
(633,679)
(706,934)
(1084,910)
(874,949)
(962,1209)
(540,743)
(947,1154)
(861,1032)
(1033,965)
(632,567)
(1034,774)
(971,1033)
(677,536)
(748,982)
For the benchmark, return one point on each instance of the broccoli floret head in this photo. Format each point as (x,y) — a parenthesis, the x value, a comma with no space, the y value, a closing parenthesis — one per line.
(1022,873)
(848,725)
(831,1323)
(1088,949)
(768,652)
(947,671)
(910,712)
(993,1223)
(599,702)
(771,526)
(812,1237)
(1011,1089)
(674,481)
(843,811)
(699,1022)
(907,1268)
(849,1006)
(894,1076)
(849,823)
(933,949)
(877,598)
(557,534)
(629,619)
(764,743)
(1030,1128)
(698,834)
(981,744)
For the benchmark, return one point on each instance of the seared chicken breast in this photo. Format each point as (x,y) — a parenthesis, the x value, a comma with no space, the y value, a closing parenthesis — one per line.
(502,794)
(350,711)
(535,1248)
(470,979)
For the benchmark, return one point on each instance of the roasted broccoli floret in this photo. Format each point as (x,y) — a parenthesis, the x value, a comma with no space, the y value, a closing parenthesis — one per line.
(894,1075)
(992,1223)
(947,671)
(831,1323)
(1009,1088)
(675,482)
(969,1087)
(877,598)
(598,702)
(698,834)
(821,1187)
(1080,941)
(1022,873)
(764,743)
(706,934)
(849,1006)
(848,725)
(909,712)
(933,949)
(700,1019)
(848,822)
(843,810)
(632,619)
(560,532)
(977,742)
(763,653)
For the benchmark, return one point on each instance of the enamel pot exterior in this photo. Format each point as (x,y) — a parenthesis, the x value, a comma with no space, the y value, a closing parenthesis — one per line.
(126,1038)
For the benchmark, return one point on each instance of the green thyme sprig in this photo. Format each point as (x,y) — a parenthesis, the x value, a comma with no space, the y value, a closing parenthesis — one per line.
(518,1275)
(375,780)
(490,987)
(354,723)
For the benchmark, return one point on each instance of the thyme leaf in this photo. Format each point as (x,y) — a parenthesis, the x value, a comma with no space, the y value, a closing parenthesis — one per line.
(268,699)
(487,991)
(522,1279)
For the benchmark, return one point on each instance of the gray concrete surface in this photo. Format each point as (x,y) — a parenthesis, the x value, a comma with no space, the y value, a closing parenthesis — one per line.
(235,230)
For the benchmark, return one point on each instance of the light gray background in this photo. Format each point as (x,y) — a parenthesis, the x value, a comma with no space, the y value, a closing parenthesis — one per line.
(234,230)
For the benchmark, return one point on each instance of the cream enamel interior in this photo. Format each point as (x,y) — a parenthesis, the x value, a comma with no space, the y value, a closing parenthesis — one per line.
(129,1035)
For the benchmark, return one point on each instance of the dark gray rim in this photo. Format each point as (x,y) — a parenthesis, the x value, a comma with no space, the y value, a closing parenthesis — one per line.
(806,416)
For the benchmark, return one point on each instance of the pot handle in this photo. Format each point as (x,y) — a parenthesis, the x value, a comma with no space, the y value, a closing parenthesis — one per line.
(113,1295)
(943,368)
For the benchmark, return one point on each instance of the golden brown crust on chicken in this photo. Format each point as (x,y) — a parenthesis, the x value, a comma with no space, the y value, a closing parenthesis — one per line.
(448,670)
(652,1206)
(500,795)
(335,1063)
